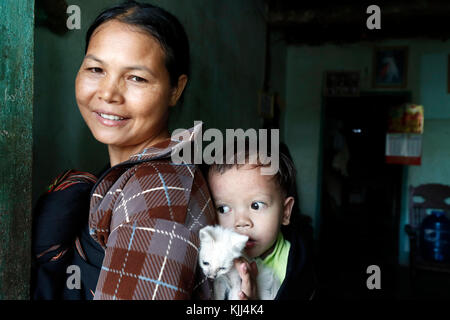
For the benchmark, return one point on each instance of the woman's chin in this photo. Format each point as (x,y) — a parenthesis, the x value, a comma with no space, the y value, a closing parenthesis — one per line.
(107,139)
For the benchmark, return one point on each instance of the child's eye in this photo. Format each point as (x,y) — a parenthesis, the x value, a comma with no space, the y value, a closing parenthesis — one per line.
(137,79)
(257,205)
(223,209)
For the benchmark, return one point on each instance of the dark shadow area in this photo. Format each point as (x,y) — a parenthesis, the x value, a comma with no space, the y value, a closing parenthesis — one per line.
(361,197)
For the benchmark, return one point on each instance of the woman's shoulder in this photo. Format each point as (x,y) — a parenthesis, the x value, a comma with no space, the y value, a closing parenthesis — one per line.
(168,172)
(160,186)
(165,173)
(164,166)
(171,177)
(181,185)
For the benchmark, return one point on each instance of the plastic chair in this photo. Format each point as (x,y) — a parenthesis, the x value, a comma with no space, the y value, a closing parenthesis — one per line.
(421,199)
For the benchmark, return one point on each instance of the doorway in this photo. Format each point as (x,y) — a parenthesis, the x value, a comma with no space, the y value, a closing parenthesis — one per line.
(360,197)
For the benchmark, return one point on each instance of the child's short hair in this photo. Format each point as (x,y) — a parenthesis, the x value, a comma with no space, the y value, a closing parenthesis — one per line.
(285,175)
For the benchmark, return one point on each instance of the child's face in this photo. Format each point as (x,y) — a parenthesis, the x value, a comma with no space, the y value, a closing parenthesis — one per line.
(252,204)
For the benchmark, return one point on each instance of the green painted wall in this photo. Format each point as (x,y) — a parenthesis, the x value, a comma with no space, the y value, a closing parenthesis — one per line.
(427,82)
(16,112)
(227,41)
(305,67)
(433,89)
(277,74)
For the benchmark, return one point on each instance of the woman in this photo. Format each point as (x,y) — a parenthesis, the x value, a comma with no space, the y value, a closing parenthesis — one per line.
(144,212)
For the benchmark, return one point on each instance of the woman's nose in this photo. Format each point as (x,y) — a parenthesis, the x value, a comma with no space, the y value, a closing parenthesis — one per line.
(109,91)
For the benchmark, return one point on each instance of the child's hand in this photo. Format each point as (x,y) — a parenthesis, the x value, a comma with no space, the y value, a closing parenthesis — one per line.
(248,273)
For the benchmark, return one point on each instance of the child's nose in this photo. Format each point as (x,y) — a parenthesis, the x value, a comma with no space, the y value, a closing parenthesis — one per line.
(242,221)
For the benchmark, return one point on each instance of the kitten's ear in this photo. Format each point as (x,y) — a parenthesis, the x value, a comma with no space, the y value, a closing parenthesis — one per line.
(238,241)
(206,234)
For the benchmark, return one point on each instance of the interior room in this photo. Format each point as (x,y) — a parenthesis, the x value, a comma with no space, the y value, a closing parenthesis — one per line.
(340,80)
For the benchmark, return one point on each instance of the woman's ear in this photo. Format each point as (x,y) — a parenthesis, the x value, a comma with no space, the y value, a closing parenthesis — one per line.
(287,210)
(178,90)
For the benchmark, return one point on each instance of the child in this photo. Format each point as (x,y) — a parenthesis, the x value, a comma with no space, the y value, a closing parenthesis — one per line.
(260,206)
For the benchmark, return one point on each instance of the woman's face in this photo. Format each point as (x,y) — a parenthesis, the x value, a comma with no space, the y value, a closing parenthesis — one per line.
(123,88)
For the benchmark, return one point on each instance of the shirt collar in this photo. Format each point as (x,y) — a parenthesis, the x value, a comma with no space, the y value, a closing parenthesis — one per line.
(179,139)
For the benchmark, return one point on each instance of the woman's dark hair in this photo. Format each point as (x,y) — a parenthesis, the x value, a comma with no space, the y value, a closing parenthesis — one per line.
(160,24)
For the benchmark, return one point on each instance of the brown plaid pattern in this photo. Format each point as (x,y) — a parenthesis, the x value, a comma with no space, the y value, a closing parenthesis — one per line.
(147,214)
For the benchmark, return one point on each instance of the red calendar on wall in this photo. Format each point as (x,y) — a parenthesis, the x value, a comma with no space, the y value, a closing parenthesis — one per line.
(404,136)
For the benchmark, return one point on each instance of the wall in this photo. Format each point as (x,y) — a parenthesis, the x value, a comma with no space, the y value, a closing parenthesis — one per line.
(277,74)
(305,67)
(16,142)
(227,41)
(427,81)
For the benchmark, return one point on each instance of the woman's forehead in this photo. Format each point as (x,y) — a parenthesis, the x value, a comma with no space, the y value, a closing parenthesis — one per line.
(117,37)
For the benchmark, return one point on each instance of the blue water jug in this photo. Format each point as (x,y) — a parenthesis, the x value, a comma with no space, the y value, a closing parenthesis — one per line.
(435,237)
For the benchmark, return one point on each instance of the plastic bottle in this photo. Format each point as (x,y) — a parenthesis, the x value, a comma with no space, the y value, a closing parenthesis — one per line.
(435,237)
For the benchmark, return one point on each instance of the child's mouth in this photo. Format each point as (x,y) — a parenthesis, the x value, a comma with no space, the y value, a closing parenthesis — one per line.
(250,244)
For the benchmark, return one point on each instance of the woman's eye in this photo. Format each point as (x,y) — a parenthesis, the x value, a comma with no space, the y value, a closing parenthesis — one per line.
(223,209)
(137,79)
(257,205)
(95,70)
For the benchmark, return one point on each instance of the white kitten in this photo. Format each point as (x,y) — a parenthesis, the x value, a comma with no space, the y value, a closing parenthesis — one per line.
(218,248)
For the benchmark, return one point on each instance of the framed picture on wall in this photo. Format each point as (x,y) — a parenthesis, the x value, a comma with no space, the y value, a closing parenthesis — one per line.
(390,67)
(341,83)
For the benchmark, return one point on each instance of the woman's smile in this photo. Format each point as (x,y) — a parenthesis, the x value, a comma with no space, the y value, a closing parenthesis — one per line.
(110,120)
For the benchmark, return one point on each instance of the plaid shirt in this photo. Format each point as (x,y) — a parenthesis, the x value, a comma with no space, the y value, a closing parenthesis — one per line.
(146,214)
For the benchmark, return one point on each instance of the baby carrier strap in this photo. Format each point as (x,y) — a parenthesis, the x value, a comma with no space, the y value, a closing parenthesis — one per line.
(58,219)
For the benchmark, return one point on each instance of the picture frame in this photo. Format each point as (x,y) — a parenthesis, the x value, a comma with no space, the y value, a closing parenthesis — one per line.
(390,67)
(342,83)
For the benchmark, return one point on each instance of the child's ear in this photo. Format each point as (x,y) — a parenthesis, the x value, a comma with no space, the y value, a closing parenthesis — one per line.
(287,210)
(178,90)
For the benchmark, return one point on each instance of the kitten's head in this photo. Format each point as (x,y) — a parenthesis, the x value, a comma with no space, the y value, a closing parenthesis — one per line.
(218,248)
